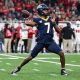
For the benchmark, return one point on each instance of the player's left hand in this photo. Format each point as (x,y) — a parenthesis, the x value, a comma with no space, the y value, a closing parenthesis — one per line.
(52,20)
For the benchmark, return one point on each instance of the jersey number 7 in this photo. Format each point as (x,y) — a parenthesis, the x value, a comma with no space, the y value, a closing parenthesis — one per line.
(48,26)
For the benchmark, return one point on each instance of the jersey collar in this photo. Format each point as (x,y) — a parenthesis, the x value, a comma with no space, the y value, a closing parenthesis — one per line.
(44,18)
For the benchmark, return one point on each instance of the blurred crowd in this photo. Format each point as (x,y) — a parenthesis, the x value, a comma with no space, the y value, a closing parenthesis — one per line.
(21,9)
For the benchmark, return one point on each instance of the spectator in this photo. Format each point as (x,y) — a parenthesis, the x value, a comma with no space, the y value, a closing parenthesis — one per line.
(24,37)
(30,35)
(7,34)
(67,33)
(17,37)
(77,33)
(13,39)
(1,41)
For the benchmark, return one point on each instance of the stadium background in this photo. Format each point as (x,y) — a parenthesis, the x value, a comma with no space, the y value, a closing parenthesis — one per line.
(45,66)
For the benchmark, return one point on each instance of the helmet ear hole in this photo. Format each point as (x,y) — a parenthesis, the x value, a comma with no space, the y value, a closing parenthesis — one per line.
(40,9)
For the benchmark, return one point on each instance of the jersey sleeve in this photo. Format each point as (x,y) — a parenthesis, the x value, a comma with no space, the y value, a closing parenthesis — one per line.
(35,20)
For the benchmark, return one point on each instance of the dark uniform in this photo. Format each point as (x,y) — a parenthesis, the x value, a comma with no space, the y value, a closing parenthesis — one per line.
(45,36)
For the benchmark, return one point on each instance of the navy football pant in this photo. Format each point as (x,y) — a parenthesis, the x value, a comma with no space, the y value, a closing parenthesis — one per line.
(52,47)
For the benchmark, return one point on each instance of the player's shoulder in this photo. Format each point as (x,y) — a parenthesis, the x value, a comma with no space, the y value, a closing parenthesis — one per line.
(36,19)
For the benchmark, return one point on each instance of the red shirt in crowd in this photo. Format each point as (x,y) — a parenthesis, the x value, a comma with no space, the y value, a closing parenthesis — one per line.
(5,11)
(18,8)
(29,6)
(30,32)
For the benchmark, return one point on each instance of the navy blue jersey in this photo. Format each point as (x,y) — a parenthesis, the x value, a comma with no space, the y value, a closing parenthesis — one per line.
(45,37)
(45,30)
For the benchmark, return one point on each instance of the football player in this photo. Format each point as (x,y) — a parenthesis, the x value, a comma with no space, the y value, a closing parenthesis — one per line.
(44,24)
